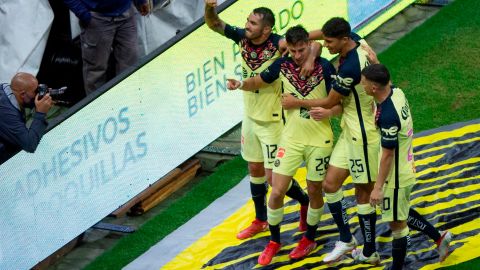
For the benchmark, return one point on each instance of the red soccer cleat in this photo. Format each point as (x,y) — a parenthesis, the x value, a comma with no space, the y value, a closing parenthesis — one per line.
(270,250)
(302,226)
(257,226)
(304,247)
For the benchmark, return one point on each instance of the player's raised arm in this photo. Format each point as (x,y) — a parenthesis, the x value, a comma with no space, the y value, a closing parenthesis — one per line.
(211,17)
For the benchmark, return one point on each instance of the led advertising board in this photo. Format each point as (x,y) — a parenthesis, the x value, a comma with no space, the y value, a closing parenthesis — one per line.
(145,124)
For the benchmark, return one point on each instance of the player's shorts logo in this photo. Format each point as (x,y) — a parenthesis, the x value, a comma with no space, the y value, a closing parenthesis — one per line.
(277,162)
(280,152)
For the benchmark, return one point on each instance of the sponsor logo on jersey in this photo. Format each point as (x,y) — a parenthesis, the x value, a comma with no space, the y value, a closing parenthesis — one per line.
(391,132)
(343,82)
(405,111)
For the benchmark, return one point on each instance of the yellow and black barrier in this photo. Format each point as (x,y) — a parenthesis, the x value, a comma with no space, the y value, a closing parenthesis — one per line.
(447,193)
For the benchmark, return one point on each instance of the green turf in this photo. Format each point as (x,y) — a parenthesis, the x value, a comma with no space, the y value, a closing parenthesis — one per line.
(470,265)
(436,66)
(179,212)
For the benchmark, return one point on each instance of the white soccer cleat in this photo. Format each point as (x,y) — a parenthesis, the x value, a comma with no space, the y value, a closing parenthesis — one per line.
(341,248)
(358,256)
(443,244)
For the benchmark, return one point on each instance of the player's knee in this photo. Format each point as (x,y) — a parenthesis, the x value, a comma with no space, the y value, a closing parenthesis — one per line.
(277,195)
(362,193)
(314,189)
(362,197)
(256,169)
(329,186)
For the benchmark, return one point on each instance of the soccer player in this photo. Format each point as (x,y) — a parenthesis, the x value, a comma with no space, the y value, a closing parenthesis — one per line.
(356,151)
(303,139)
(396,175)
(262,124)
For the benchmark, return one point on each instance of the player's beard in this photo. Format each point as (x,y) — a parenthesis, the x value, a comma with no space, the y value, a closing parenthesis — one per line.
(251,35)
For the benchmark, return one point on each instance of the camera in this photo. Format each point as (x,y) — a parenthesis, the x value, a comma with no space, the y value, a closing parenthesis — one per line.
(43,89)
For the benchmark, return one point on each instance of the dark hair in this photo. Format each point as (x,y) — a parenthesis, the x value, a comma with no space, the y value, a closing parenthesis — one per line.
(268,18)
(377,73)
(296,34)
(336,28)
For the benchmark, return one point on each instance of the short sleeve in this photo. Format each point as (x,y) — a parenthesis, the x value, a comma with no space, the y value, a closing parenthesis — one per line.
(344,81)
(234,33)
(389,124)
(271,73)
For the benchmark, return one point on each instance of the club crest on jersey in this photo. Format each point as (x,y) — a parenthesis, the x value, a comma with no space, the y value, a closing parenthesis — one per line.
(304,87)
(267,54)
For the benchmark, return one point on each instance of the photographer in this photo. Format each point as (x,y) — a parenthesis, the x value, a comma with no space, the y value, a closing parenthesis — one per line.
(14,98)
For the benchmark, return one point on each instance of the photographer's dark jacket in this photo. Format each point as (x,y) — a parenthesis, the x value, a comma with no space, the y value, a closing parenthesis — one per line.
(14,134)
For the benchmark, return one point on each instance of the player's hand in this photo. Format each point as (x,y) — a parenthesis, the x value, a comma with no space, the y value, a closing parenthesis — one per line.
(376,197)
(371,55)
(282,47)
(233,84)
(211,3)
(44,104)
(319,113)
(289,101)
(144,9)
(307,68)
